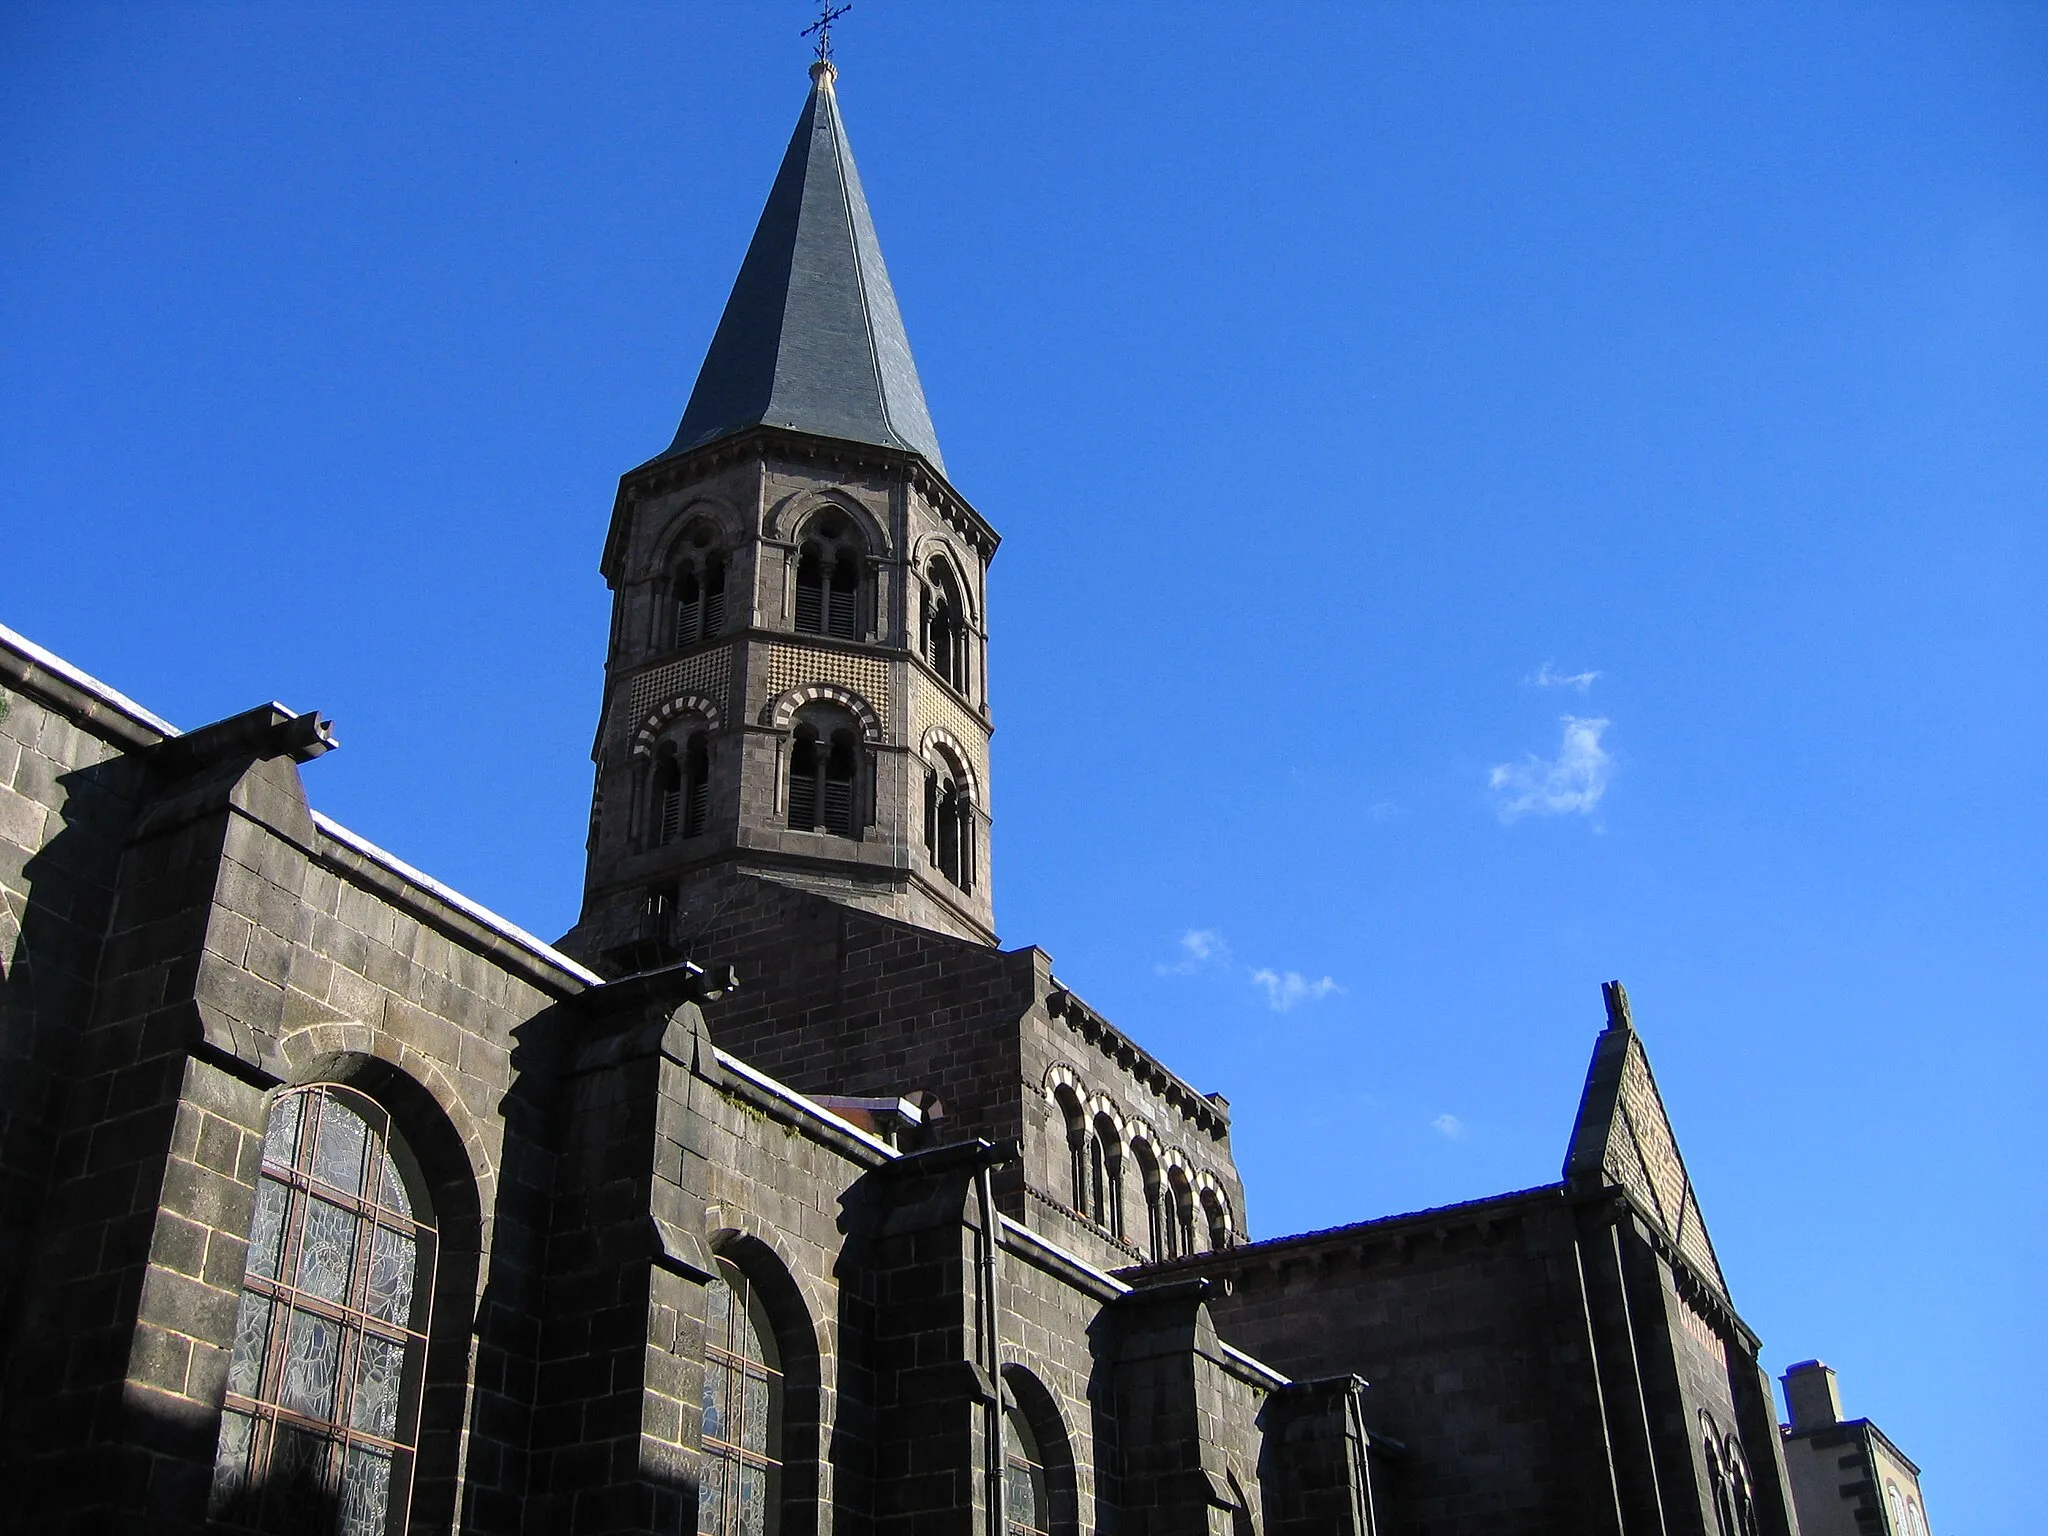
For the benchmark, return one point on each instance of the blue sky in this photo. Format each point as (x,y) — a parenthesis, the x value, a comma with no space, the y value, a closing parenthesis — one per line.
(1496,498)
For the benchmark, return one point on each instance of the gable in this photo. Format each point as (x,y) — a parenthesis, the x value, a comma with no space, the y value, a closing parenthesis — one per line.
(1623,1137)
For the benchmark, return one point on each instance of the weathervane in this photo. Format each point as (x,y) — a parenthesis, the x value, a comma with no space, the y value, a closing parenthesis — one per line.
(827,14)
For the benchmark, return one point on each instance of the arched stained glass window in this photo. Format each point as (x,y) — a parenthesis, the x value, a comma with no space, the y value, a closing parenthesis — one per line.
(322,1411)
(1027,1501)
(741,1493)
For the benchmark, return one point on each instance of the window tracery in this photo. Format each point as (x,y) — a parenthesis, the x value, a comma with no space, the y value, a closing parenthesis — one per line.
(320,1420)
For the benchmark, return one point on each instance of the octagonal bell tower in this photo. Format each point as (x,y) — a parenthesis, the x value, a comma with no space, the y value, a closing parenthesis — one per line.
(796,686)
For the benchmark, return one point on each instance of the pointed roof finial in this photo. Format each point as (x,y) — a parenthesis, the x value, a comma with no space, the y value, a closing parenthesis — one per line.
(1615,996)
(811,339)
(827,14)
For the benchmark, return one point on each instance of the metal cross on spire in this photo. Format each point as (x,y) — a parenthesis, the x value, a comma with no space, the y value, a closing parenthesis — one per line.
(827,14)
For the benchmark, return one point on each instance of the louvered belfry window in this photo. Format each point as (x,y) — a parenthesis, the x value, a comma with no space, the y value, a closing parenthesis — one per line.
(668,797)
(714,595)
(829,580)
(696,786)
(742,1463)
(689,608)
(698,586)
(322,1409)
(825,781)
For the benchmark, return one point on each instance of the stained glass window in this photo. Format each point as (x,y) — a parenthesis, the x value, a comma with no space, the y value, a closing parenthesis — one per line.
(742,1488)
(1027,1505)
(322,1410)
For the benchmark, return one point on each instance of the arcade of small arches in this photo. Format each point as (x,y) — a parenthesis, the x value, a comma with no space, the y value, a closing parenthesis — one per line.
(1185,1209)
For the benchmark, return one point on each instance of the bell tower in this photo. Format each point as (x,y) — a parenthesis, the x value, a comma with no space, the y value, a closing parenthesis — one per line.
(796,685)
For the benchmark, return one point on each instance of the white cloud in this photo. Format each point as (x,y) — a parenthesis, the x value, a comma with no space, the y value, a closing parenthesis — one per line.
(1199,947)
(1205,950)
(1546,678)
(1569,784)
(1448,1126)
(1286,988)
(1383,810)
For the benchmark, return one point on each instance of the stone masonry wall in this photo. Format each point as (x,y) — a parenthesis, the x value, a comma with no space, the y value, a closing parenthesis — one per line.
(1466,1323)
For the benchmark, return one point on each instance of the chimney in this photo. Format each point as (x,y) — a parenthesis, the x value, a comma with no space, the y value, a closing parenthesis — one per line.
(1811,1396)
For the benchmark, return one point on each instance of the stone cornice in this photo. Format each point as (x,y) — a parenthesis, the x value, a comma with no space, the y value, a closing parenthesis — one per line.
(1133,1058)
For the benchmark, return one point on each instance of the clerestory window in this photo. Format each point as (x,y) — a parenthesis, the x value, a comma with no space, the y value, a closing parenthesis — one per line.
(321,1417)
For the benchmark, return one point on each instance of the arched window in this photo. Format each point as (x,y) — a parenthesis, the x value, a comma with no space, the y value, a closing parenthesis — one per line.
(1181,1206)
(1216,1216)
(322,1410)
(1077,1145)
(698,587)
(829,571)
(945,625)
(1039,1494)
(741,1494)
(1106,1176)
(949,822)
(1027,1496)
(1741,1489)
(827,789)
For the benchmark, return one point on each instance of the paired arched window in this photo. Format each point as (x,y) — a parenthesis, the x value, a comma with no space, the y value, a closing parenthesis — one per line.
(697,588)
(321,1417)
(681,786)
(1729,1483)
(949,822)
(830,578)
(828,783)
(945,625)
(741,1494)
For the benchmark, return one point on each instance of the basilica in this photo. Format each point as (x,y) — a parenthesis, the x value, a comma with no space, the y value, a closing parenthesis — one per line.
(775,1198)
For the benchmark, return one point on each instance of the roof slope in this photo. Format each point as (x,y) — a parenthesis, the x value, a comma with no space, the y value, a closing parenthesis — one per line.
(811,338)
(1623,1136)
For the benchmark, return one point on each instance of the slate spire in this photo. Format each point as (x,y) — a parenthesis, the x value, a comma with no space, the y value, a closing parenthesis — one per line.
(811,338)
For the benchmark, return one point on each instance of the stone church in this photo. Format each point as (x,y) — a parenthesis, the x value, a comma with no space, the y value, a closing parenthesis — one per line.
(776,1198)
